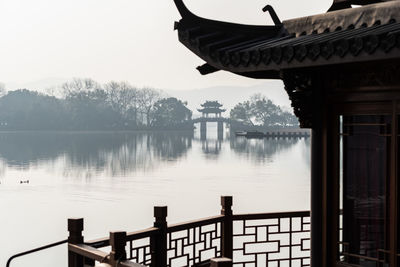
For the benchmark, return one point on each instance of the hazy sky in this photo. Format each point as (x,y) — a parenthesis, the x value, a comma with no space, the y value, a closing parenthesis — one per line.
(130,40)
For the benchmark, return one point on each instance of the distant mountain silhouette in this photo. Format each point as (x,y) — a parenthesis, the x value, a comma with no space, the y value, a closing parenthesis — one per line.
(39,85)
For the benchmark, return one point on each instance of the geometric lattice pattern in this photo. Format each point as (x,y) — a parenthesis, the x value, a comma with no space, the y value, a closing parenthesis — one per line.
(194,245)
(276,242)
(259,240)
(139,251)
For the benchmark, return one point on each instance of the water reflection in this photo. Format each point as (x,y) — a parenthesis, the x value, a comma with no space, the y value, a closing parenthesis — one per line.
(211,147)
(262,150)
(118,153)
(123,153)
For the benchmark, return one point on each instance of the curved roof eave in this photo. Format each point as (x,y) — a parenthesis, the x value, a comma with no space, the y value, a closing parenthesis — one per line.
(199,34)
(264,51)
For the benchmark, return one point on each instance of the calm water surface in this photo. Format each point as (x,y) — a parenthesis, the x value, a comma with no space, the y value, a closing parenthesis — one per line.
(114,179)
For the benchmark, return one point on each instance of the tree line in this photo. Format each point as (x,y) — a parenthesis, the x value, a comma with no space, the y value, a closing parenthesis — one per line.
(84,104)
(261,111)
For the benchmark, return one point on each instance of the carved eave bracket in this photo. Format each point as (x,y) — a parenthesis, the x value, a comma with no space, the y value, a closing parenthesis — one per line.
(300,87)
(311,90)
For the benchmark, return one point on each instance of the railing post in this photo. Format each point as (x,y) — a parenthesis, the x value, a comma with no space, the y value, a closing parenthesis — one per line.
(221,262)
(227,227)
(118,252)
(75,228)
(159,241)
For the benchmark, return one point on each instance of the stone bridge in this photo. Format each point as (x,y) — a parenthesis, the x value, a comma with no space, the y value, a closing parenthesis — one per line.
(210,119)
(203,125)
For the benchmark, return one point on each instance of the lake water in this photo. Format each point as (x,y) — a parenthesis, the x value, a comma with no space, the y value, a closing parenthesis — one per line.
(113,180)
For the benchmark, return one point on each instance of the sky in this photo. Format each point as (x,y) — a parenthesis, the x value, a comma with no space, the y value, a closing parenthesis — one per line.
(120,40)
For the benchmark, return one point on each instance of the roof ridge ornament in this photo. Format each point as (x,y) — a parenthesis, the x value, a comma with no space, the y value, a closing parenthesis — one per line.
(183,10)
(273,15)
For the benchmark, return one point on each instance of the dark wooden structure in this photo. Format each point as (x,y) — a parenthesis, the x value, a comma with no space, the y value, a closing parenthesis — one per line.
(251,239)
(341,71)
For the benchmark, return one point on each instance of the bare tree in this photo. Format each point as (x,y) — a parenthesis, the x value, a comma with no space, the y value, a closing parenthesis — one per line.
(147,98)
(128,96)
(121,96)
(112,89)
(77,86)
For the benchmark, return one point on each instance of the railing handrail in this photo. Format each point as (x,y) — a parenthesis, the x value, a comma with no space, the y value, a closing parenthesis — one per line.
(274,215)
(195,223)
(35,250)
(88,252)
(104,242)
(97,255)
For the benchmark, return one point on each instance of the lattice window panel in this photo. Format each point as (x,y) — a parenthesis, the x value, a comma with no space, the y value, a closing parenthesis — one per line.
(194,245)
(280,242)
(139,251)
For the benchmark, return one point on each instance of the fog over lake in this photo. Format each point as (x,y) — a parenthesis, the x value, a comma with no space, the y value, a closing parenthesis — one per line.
(113,180)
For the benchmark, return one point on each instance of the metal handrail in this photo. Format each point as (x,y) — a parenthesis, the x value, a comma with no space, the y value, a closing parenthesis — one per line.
(35,250)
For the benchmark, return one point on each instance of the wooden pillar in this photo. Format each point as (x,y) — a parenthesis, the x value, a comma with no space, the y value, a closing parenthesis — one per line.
(318,248)
(227,227)
(393,185)
(159,241)
(203,130)
(221,262)
(75,228)
(118,252)
(220,130)
(316,198)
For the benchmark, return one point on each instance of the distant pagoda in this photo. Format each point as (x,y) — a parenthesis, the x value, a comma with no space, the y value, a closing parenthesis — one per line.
(211,107)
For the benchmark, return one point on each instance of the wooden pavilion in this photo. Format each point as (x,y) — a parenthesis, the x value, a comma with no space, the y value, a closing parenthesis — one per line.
(341,71)
(207,108)
(211,107)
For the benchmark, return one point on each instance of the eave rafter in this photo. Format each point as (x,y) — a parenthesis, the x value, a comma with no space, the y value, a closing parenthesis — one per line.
(249,50)
(217,42)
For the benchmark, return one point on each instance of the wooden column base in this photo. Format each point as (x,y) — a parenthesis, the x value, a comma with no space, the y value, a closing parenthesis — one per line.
(221,262)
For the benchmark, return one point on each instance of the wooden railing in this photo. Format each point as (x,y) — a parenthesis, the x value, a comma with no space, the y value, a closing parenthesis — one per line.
(249,239)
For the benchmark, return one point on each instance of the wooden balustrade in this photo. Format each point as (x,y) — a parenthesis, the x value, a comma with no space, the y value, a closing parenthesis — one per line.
(75,228)
(214,241)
